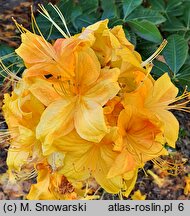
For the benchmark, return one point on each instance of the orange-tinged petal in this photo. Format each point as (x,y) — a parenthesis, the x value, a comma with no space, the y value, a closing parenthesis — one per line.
(97,28)
(89,121)
(123,163)
(126,61)
(34,49)
(43,90)
(142,133)
(112,184)
(155,97)
(72,142)
(87,67)
(105,88)
(141,88)
(171,127)
(22,108)
(112,109)
(45,68)
(161,94)
(56,121)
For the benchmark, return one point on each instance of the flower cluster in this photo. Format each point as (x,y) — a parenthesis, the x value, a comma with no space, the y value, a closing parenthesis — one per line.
(87,107)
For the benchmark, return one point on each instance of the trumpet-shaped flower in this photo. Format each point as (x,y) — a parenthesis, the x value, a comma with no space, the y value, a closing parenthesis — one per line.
(157,98)
(81,101)
(142,139)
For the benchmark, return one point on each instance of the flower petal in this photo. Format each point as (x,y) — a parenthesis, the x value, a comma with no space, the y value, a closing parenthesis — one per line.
(105,88)
(87,67)
(34,49)
(171,127)
(89,121)
(124,162)
(43,90)
(56,121)
(162,93)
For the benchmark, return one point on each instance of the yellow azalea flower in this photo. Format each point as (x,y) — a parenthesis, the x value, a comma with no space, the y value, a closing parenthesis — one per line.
(157,98)
(22,112)
(80,105)
(51,185)
(84,159)
(42,58)
(138,196)
(142,138)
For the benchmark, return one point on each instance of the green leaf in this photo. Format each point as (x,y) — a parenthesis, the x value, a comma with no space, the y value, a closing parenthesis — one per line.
(175,53)
(173,25)
(174,8)
(75,13)
(183,76)
(129,6)
(146,30)
(159,68)
(187,17)
(66,7)
(187,61)
(84,20)
(48,30)
(115,21)
(187,35)
(109,9)
(88,6)
(147,14)
(158,5)
(5,50)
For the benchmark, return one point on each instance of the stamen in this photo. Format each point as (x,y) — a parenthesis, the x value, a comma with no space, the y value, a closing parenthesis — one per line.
(9,55)
(182,105)
(32,20)
(25,175)
(171,168)
(45,14)
(8,72)
(19,27)
(155,54)
(139,156)
(61,17)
